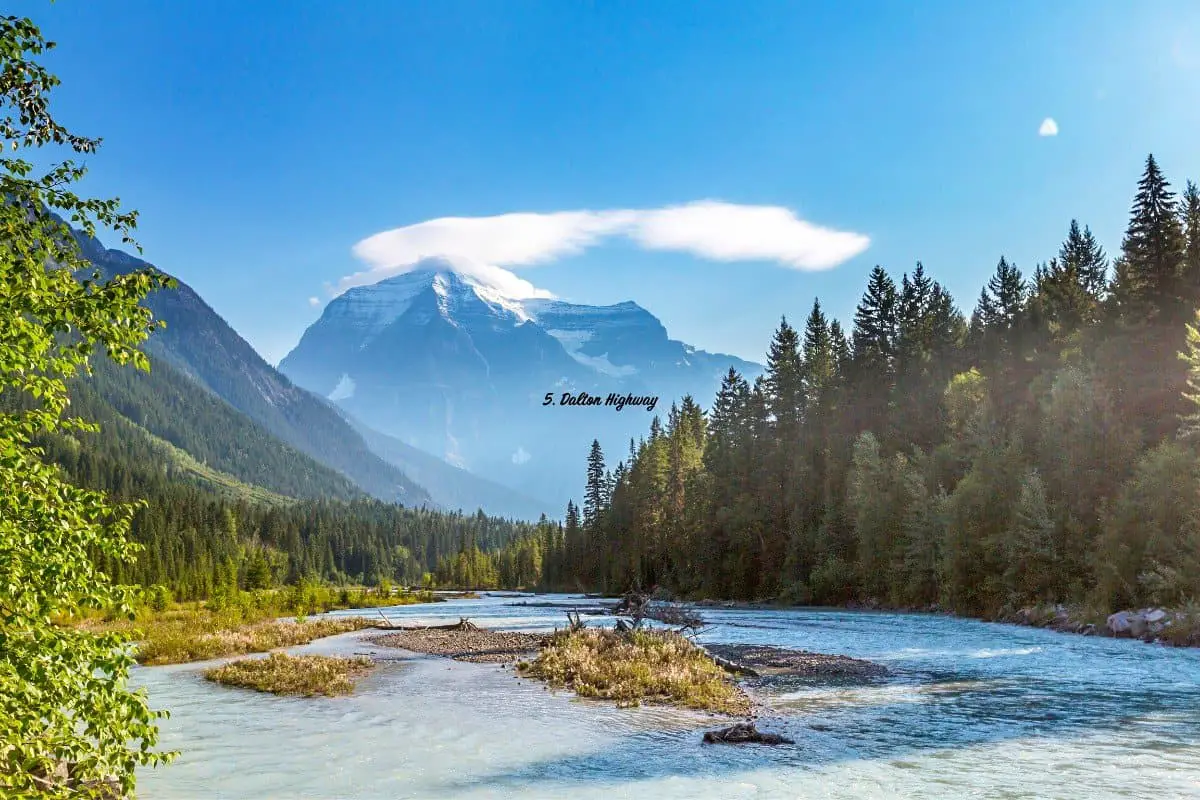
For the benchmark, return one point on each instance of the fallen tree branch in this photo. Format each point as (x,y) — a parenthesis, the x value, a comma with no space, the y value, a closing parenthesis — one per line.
(730,666)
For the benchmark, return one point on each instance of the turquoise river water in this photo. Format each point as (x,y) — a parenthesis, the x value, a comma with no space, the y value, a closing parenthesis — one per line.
(970,709)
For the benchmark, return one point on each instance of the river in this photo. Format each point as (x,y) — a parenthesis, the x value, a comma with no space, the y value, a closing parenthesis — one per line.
(971,709)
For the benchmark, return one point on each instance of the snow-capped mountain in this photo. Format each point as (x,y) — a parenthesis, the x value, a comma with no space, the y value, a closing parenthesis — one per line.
(443,361)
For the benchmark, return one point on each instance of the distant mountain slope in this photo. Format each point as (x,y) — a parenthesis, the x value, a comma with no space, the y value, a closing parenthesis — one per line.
(200,344)
(441,361)
(450,487)
(215,435)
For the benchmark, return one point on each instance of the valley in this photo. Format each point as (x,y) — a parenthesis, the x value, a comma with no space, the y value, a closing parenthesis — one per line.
(307,489)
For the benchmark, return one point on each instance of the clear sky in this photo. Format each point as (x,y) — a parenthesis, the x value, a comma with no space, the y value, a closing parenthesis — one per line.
(262,141)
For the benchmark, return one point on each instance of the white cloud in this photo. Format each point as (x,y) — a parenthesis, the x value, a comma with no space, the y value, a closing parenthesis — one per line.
(1048,128)
(314,301)
(708,229)
(728,232)
(521,456)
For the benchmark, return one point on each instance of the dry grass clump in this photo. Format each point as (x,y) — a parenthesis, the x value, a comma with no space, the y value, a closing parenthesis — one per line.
(199,637)
(637,667)
(282,674)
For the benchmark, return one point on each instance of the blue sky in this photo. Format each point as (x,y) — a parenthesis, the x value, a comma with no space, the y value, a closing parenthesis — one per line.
(261,141)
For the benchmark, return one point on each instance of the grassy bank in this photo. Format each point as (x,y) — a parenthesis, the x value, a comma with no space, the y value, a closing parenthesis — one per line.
(245,622)
(199,636)
(282,674)
(642,667)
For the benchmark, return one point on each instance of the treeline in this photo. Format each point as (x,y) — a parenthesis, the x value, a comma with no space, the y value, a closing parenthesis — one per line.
(528,560)
(1038,450)
(200,543)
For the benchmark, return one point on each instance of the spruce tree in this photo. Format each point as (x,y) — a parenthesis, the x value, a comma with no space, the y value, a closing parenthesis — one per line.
(1153,250)
(820,367)
(597,485)
(573,542)
(873,344)
(1064,304)
(1190,214)
(785,381)
(1081,252)
(875,321)
(1003,300)
(841,349)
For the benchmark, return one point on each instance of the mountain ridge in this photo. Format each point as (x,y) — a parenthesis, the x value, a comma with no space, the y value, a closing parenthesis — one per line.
(440,360)
(200,344)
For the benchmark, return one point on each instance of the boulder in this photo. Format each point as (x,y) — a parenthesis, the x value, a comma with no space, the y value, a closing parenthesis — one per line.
(743,733)
(1155,615)
(1120,623)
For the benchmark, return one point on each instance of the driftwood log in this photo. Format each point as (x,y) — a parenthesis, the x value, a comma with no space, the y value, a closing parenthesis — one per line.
(744,733)
(463,624)
(730,666)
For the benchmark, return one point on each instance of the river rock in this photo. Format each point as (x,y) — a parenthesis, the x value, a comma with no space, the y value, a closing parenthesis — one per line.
(744,733)
(1155,615)
(1121,623)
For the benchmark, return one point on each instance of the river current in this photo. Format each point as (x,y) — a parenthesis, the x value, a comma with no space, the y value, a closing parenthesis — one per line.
(970,709)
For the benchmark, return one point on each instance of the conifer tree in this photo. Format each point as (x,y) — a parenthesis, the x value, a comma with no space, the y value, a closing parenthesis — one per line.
(820,362)
(1190,214)
(785,381)
(597,486)
(1081,252)
(573,541)
(873,345)
(1152,252)
(841,349)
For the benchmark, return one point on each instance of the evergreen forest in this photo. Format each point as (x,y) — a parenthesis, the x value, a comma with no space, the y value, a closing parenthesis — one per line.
(1041,449)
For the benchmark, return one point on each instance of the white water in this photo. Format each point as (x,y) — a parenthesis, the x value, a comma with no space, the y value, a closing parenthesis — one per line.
(970,710)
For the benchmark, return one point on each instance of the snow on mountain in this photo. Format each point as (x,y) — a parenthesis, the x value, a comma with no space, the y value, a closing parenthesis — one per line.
(454,360)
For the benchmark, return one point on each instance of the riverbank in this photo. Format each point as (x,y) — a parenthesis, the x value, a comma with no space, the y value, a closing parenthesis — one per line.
(1178,627)
(247,622)
(1170,627)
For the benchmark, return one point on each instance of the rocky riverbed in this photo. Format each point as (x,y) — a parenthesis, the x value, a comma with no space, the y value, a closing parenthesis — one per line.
(1163,626)
(759,660)
(477,645)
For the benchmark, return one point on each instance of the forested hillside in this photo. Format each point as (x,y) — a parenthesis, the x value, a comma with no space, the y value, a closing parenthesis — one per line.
(171,407)
(199,540)
(200,344)
(1039,449)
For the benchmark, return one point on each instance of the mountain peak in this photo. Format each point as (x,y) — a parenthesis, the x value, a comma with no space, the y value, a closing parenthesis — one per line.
(443,359)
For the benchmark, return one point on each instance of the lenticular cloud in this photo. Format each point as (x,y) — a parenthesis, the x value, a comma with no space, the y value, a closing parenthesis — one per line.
(708,229)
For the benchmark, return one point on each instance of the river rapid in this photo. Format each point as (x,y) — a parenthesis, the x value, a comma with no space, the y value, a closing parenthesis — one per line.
(970,709)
